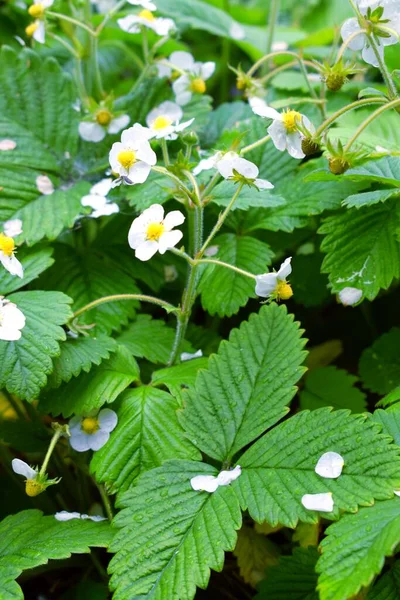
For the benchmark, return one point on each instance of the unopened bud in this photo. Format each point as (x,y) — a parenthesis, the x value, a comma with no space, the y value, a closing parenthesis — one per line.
(334,81)
(338,165)
(190,138)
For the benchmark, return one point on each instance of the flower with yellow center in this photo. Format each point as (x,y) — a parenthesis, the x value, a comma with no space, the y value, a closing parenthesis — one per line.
(101,123)
(7,258)
(92,432)
(145,18)
(37,10)
(194,82)
(147,14)
(151,232)
(132,158)
(288,128)
(103,116)
(274,285)
(198,85)
(164,121)
(35,483)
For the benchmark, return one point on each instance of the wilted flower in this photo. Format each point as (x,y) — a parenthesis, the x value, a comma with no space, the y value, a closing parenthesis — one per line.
(92,432)
(12,228)
(132,158)
(329,465)
(274,285)
(104,122)
(209,483)
(151,232)
(164,121)
(97,199)
(133,23)
(349,296)
(64,515)
(37,28)
(12,320)
(35,483)
(230,165)
(320,502)
(193,82)
(287,129)
(7,257)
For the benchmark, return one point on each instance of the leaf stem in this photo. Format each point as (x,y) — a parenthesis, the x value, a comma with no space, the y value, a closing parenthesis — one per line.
(347,108)
(176,179)
(347,42)
(56,436)
(273,18)
(165,153)
(117,297)
(108,16)
(106,501)
(369,120)
(226,265)
(62,17)
(256,144)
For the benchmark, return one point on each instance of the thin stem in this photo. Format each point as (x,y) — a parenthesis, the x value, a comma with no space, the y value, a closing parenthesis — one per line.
(347,108)
(145,45)
(56,15)
(369,120)
(165,152)
(273,18)
(56,436)
(174,67)
(117,297)
(63,43)
(176,179)
(266,57)
(108,16)
(97,72)
(347,42)
(196,189)
(288,65)
(220,221)
(80,82)
(226,265)
(225,59)
(383,68)
(106,502)
(256,144)
(211,184)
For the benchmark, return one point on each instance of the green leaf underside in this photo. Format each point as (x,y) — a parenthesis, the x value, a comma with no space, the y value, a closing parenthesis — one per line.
(294,578)
(329,386)
(79,355)
(28,539)
(34,263)
(278,469)
(374,261)
(147,434)
(388,587)
(223,291)
(170,536)
(90,391)
(354,549)
(179,377)
(369,198)
(248,384)
(380,364)
(25,364)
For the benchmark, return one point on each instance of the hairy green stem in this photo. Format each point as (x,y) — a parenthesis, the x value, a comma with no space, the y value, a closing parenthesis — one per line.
(94,43)
(117,297)
(392,90)
(56,15)
(220,263)
(273,18)
(256,144)
(56,436)
(165,153)
(108,16)
(347,42)
(347,108)
(369,120)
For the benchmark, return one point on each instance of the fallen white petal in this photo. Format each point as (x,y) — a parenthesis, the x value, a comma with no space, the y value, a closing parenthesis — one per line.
(13,227)
(330,465)
(397,492)
(226,477)
(188,356)
(44,185)
(7,145)
(349,296)
(320,502)
(204,483)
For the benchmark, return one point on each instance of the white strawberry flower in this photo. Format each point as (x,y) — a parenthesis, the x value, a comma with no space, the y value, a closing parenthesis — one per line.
(183,61)
(97,199)
(285,130)
(104,122)
(231,162)
(132,158)
(64,515)
(151,232)
(92,432)
(147,4)
(320,502)
(12,228)
(7,256)
(193,82)
(330,465)
(164,121)
(208,163)
(274,285)
(12,320)
(210,483)
(349,296)
(145,18)
(37,10)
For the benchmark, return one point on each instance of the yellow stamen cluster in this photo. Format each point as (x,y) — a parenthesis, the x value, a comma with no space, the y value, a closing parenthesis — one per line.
(126,158)
(7,245)
(146,14)
(103,117)
(90,425)
(283,290)
(33,487)
(30,30)
(291,118)
(154,231)
(36,11)
(198,85)
(161,122)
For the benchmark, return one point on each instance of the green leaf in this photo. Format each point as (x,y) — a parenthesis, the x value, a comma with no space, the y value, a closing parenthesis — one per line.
(380,364)
(388,587)
(224,291)
(294,578)
(389,419)
(248,384)
(279,468)
(28,540)
(25,364)
(381,131)
(170,536)
(157,189)
(224,118)
(34,262)
(385,170)
(372,263)
(329,386)
(354,549)
(25,436)
(90,391)
(391,398)
(254,553)
(79,354)
(147,434)
(369,198)
(179,377)
(29,153)
(249,197)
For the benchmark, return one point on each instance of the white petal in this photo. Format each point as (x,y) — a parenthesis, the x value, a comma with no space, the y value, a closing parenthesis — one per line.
(79,441)
(130,24)
(12,264)
(116,148)
(6,145)
(64,515)
(204,483)
(107,419)
(245,168)
(285,268)
(21,468)
(153,214)
(118,123)
(167,109)
(183,60)
(40,33)
(207,163)
(261,108)
(91,132)
(44,185)
(9,335)
(12,316)
(226,477)
(348,28)
(307,124)
(350,296)
(110,208)
(146,250)
(161,25)
(278,135)
(187,356)
(263,184)
(397,492)
(266,284)
(293,144)
(146,154)
(94,201)
(330,465)
(145,3)
(320,502)
(206,70)
(74,424)
(98,440)
(168,240)
(134,136)
(237,32)
(139,172)
(13,227)
(184,125)
(163,71)
(369,55)
(102,187)
(173,219)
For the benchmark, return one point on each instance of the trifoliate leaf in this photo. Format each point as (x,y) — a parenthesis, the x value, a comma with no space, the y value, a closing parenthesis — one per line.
(354,549)
(279,468)
(254,553)
(248,384)
(25,364)
(328,386)
(380,364)
(169,535)
(79,354)
(388,587)
(34,261)
(248,197)
(90,391)
(179,377)
(147,434)
(224,291)
(28,539)
(372,263)
(294,578)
